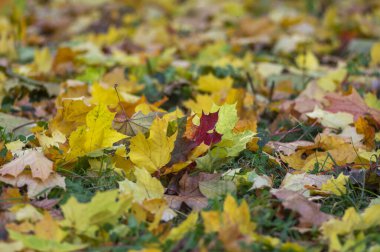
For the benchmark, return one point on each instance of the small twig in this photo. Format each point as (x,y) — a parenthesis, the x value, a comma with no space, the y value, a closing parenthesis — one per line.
(21,126)
(286,132)
(118,97)
(250,82)
(271,92)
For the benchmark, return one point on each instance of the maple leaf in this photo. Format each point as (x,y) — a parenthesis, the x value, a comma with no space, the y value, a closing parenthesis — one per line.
(36,243)
(35,186)
(352,104)
(40,166)
(70,115)
(86,218)
(289,148)
(154,152)
(138,122)
(333,120)
(336,186)
(231,143)
(231,224)
(375,54)
(56,138)
(206,130)
(189,192)
(310,214)
(117,75)
(202,104)
(331,81)
(182,145)
(96,134)
(210,83)
(47,236)
(186,226)
(307,61)
(351,221)
(145,187)
(302,182)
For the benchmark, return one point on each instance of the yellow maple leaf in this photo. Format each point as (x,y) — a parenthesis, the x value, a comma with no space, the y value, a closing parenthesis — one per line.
(232,225)
(15,145)
(106,94)
(233,217)
(337,185)
(48,228)
(96,134)
(145,187)
(351,222)
(43,61)
(331,81)
(85,218)
(202,103)
(177,233)
(57,137)
(70,115)
(307,61)
(154,152)
(210,83)
(372,101)
(375,54)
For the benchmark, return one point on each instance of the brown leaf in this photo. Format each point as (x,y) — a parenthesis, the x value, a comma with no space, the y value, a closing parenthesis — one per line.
(189,192)
(46,204)
(310,214)
(353,104)
(40,166)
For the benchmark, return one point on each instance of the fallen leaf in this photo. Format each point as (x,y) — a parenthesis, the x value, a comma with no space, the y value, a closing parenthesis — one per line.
(352,104)
(336,120)
(40,166)
(205,132)
(307,61)
(145,187)
(86,218)
(215,188)
(302,182)
(210,83)
(152,153)
(186,226)
(189,192)
(138,122)
(289,148)
(35,186)
(96,134)
(351,221)
(337,185)
(310,214)
(56,138)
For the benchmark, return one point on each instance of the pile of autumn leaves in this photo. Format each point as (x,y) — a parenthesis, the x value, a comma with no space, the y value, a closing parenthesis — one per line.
(145,142)
(174,142)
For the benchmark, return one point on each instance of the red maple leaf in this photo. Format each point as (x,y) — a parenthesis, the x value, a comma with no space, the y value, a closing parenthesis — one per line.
(206,130)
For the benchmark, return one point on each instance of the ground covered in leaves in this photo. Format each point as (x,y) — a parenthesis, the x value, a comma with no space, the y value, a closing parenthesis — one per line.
(174,125)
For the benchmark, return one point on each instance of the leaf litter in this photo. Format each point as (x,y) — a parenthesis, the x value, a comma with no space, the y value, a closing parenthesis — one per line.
(189,125)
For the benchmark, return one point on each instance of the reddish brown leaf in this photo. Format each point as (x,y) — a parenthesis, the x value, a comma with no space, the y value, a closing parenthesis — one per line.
(353,104)
(310,214)
(206,130)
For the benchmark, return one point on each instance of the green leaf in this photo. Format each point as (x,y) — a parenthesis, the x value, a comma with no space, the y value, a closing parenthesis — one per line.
(215,188)
(36,243)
